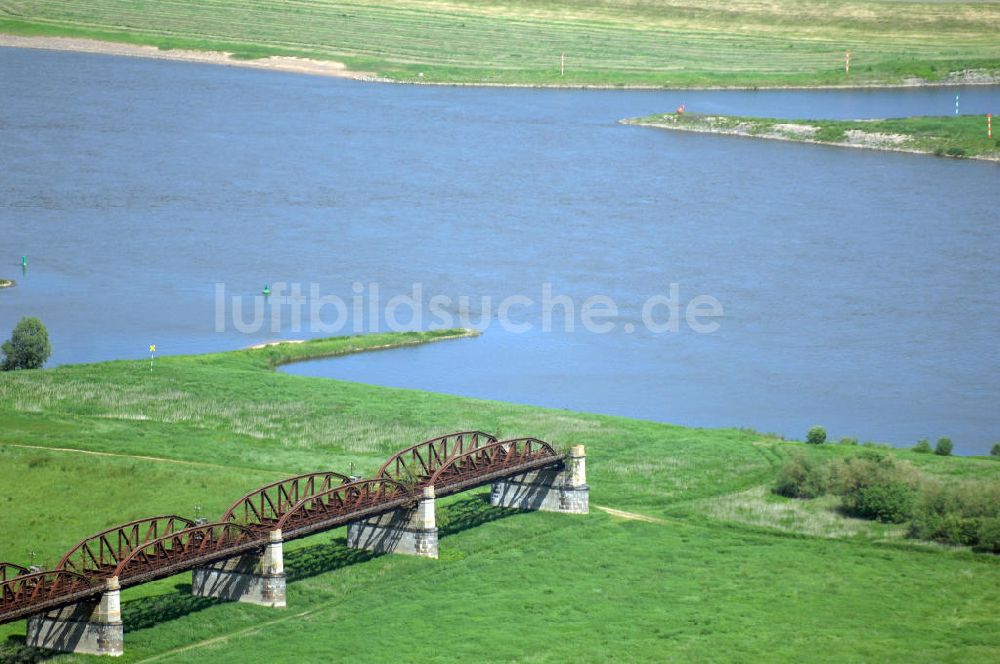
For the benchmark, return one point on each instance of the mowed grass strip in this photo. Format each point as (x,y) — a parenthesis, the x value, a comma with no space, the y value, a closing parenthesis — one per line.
(606,43)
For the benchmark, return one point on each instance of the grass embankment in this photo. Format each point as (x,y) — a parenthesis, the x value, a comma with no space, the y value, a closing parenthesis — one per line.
(953,136)
(606,42)
(717,574)
(6,283)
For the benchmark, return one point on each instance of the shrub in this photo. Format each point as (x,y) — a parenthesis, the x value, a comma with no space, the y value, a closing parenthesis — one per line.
(995,450)
(923,446)
(848,441)
(28,346)
(802,477)
(816,435)
(875,486)
(944,447)
(965,514)
(988,536)
(889,502)
(955,151)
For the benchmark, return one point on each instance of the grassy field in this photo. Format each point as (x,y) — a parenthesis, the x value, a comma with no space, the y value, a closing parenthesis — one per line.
(715,569)
(606,42)
(954,136)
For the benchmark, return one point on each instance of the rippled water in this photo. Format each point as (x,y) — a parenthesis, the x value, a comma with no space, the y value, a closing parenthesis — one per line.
(860,289)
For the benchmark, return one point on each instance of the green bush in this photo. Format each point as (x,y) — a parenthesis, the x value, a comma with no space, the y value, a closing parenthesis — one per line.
(923,446)
(944,447)
(965,514)
(988,537)
(848,441)
(802,477)
(874,485)
(889,502)
(995,450)
(28,346)
(955,151)
(816,435)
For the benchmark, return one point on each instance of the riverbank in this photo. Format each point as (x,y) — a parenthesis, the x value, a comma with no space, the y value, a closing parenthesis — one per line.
(274,63)
(948,136)
(558,43)
(331,68)
(671,506)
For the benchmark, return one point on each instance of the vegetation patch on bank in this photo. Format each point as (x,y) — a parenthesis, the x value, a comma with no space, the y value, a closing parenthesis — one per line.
(7,283)
(607,43)
(950,136)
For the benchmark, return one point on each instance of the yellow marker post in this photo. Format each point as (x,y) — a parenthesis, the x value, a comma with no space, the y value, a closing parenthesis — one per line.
(152,349)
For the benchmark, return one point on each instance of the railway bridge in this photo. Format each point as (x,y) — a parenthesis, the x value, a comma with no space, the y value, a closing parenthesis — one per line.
(76,607)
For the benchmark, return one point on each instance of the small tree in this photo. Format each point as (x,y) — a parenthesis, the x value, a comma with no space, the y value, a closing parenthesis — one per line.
(816,435)
(28,346)
(995,450)
(923,446)
(944,447)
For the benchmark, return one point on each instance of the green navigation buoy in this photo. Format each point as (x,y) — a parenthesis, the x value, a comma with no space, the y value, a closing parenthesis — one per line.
(267,289)
(24,261)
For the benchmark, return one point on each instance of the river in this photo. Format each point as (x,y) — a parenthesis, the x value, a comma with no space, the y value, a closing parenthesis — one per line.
(859,290)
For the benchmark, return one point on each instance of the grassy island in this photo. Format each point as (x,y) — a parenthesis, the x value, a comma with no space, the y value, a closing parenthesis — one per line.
(7,283)
(675,43)
(687,555)
(951,136)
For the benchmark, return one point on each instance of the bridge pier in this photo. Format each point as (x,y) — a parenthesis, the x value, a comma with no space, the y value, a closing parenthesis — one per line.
(410,531)
(547,490)
(252,578)
(92,627)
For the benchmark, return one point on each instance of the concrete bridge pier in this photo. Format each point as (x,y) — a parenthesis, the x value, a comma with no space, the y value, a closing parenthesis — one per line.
(411,531)
(93,627)
(254,578)
(547,490)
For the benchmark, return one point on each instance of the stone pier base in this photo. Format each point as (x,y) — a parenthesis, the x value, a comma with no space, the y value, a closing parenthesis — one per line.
(91,628)
(408,531)
(252,578)
(563,490)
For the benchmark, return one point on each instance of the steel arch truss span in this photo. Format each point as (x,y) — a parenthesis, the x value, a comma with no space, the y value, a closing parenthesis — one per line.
(265,506)
(27,594)
(98,555)
(348,502)
(185,549)
(490,462)
(10,570)
(417,463)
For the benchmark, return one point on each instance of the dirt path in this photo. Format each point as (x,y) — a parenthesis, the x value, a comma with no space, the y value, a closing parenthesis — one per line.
(226,637)
(632,516)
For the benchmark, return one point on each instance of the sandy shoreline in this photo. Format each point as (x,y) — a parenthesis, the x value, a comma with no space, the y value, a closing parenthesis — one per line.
(274,63)
(335,69)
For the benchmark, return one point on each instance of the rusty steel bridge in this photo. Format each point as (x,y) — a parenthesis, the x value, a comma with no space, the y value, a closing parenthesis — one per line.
(161,546)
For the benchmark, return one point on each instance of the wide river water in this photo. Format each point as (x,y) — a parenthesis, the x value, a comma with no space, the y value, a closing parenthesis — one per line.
(860,290)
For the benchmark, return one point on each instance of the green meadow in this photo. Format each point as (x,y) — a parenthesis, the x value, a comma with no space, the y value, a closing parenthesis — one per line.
(698,560)
(605,42)
(951,136)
